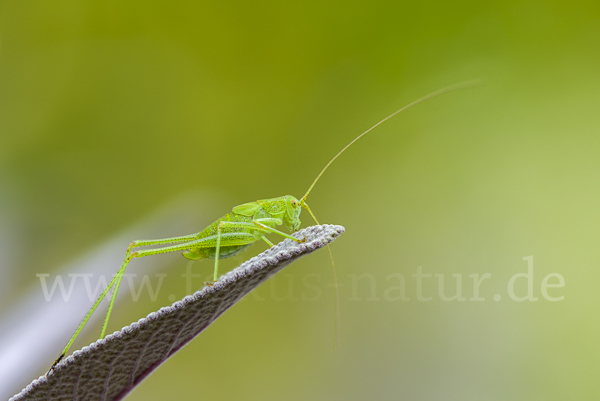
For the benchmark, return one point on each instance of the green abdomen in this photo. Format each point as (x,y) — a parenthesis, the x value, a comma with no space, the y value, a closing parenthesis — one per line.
(211,232)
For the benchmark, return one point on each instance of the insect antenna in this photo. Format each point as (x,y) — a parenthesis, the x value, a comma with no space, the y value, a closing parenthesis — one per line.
(437,93)
(448,89)
(335,286)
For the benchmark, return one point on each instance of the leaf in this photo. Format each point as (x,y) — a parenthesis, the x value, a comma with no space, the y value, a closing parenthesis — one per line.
(110,368)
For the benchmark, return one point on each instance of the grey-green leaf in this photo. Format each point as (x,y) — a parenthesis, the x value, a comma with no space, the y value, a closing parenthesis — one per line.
(110,368)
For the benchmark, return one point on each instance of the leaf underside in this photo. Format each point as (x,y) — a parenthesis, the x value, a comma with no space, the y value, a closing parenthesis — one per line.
(110,368)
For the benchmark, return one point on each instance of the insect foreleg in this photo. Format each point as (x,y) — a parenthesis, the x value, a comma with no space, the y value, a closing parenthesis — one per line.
(250,229)
(258,225)
(273,230)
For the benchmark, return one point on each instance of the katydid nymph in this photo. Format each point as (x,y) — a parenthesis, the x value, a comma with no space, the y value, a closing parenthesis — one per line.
(231,234)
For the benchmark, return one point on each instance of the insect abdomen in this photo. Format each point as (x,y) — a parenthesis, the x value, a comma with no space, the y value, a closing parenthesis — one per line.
(211,231)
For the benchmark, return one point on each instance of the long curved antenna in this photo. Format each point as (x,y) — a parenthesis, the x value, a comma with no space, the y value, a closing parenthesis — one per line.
(336,325)
(303,204)
(437,93)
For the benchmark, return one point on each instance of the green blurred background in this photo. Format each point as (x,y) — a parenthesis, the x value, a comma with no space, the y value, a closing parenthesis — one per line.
(109,110)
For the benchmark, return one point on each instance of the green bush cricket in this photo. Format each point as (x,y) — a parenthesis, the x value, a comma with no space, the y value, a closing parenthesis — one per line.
(234,232)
